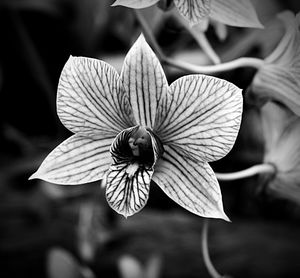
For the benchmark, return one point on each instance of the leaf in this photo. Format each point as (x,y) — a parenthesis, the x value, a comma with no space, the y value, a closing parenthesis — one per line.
(145,82)
(77,160)
(91,99)
(239,13)
(135,4)
(192,185)
(193,10)
(202,117)
(61,264)
(130,267)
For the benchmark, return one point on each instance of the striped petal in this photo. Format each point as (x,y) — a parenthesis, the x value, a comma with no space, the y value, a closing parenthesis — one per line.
(193,10)
(278,83)
(239,13)
(135,4)
(127,193)
(288,50)
(192,185)
(281,129)
(91,98)
(128,180)
(77,160)
(202,117)
(144,81)
(275,119)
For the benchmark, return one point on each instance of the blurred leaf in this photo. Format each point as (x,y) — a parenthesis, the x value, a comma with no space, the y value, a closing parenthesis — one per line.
(220,30)
(61,264)
(130,267)
(153,267)
(136,4)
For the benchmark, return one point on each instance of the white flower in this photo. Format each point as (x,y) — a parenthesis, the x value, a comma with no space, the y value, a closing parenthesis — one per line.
(134,128)
(239,13)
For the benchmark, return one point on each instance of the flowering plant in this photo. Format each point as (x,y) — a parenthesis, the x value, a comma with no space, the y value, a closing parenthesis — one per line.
(281,129)
(279,76)
(231,12)
(134,128)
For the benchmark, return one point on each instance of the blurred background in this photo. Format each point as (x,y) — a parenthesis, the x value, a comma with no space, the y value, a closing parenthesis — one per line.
(56,231)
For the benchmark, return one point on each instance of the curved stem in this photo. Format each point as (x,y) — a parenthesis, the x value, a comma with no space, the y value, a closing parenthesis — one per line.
(231,65)
(200,38)
(207,261)
(254,170)
(192,68)
(148,34)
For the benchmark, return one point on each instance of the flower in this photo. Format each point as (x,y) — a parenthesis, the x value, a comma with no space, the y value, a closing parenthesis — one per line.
(281,129)
(279,76)
(134,128)
(239,13)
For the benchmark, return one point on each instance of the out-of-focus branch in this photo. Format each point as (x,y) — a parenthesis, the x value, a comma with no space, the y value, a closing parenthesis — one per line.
(207,261)
(252,171)
(192,68)
(201,39)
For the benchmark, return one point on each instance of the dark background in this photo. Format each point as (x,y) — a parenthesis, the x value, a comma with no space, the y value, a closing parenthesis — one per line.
(43,225)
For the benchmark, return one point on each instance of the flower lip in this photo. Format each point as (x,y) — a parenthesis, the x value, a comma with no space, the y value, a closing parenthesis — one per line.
(135,145)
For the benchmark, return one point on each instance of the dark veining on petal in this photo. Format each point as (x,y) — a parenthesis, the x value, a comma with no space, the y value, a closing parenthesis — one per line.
(135,146)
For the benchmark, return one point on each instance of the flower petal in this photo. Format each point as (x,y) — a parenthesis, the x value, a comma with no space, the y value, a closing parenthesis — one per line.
(202,116)
(77,160)
(144,81)
(278,83)
(288,49)
(91,98)
(282,148)
(135,4)
(128,180)
(284,152)
(192,185)
(239,13)
(127,194)
(285,188)
(193,10)
(275,120)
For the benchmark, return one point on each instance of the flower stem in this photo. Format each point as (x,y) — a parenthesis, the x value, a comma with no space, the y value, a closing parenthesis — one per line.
(227,66)
(201,39)
(254,170)
(149,34)
(192,68)
(207,261)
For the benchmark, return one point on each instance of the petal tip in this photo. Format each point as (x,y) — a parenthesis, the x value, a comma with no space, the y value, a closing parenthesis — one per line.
(225,217)
(115,4)
(141,39)
(33,176)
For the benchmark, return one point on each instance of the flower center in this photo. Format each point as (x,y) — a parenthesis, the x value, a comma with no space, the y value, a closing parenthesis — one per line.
(140,142)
